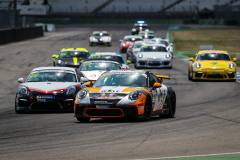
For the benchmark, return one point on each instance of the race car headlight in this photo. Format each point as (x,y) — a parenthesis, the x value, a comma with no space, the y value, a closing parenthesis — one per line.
(197,65)
(123,44)
(167,56)
(133,29)
(140,56)
(92,38)
(231,65)
(82,94)
(109,38)
(60,62)
(23,90)
(71,90)
(135,95)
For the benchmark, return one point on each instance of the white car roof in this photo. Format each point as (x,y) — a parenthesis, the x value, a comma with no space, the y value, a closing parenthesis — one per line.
(132,36)
(54,68)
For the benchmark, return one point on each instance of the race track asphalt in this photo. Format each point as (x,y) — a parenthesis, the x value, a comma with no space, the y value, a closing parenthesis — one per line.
(207,117)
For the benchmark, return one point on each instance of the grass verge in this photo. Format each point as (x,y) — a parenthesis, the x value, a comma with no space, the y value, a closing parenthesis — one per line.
(221,38)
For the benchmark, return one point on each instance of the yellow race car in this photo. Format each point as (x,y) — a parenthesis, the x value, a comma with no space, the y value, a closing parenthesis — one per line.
(212,65)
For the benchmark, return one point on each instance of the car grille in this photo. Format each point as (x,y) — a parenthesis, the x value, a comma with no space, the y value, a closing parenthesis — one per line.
(166,63)
(231,75)
(79,110)
(104,112)
(130,111)
(154,64)
(142,63)
(45,106)
(198,75)
(214,76)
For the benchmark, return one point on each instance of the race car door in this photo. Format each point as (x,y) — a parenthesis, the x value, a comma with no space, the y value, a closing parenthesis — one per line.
(155,92)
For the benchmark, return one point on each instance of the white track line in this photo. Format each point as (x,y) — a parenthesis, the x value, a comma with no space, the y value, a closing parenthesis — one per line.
(206,155)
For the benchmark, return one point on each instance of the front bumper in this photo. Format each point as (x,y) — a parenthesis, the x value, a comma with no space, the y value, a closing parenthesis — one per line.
(214,75)
(112,112)
(152,64)
(58,104)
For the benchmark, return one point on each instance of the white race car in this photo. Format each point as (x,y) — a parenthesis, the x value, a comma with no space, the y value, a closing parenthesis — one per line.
(153,56)
(100,37)
(111,56)
(48,89)
(164,42)
(91,69)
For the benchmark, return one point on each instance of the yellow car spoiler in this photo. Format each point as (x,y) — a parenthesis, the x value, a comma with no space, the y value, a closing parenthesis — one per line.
(164,77)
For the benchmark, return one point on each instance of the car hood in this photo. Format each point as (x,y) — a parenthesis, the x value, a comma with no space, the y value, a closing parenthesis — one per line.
(72,61)
(214,64)
(48,87)
(92,75)
(154,54)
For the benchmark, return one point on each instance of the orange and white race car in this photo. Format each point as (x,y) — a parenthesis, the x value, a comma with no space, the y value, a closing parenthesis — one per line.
(125,93)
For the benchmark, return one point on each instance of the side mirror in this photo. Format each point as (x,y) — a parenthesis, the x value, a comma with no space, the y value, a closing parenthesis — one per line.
(88,84)
(83,80)
(170,44)
(89,35)
(157,85)
(20,80)
(110,35)
(234,59)
(54,56)
(130,47)
(191,59)
(128,62)
(196,55)
(120,40)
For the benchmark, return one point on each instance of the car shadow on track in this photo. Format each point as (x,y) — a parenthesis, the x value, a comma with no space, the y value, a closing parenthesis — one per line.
(125,120)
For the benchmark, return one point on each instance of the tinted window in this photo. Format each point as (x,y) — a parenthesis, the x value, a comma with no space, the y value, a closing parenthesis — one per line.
(152,79)
(51,77)
(213,56)
(117,58)
(132,39)
(100,34)
(153,49)
(133,80)
(71,54)
(88,66)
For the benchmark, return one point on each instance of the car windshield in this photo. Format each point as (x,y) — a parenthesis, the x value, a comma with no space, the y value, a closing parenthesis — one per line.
(153,49)
(137,45)
(163,42)
(88,66)
(132,39)
(133,80)
(100,34)
(52,76)
(213,56)
(117,58)
(71,54)
(140,27)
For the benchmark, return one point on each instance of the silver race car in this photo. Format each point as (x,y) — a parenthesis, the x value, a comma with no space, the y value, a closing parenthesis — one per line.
(100,37)
(164,42)
(153,56)
(48,89)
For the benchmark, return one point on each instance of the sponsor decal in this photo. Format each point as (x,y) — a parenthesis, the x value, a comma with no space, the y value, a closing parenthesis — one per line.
(102,106)
(45,97)
(102,102)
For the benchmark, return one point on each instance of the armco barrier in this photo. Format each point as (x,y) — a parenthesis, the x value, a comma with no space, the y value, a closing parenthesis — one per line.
(19,34)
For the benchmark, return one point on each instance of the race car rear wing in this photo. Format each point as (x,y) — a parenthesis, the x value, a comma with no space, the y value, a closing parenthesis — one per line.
(160,77)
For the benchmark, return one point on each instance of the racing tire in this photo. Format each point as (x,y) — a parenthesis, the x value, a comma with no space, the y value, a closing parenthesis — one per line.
(189,78)
(84,120)
(172,106)
(169,67)
(135,65)
(147,110)
(90,44)
(17,111)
